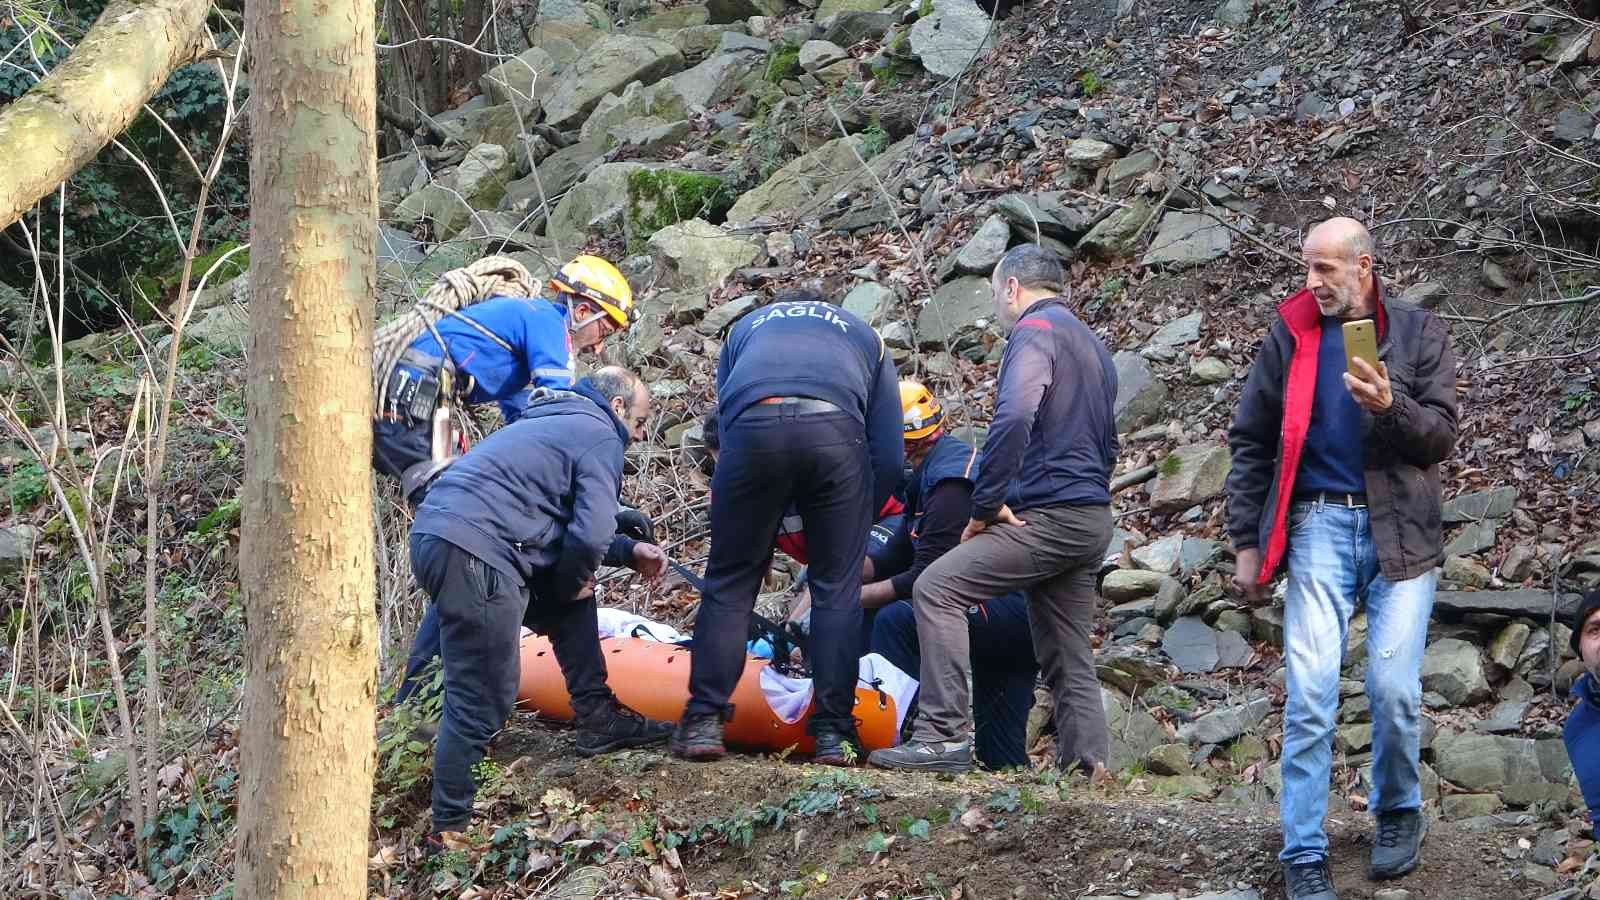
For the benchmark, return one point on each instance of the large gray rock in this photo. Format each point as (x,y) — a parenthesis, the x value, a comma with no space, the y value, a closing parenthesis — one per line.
(951,37)
(608,66)
(1225,724)
(957,313)
(722,316)
(225,328)
(1126,585)
(1494,503)
(1481,762)
(828,8)
(1235,12)
(1474,537)
(439,204)
(525,80)
(871,301)
(1453,669)
(1134,733)
(1089,153)
(1187,239)
(1189,476)
(554,175)
(850,26)
(1191,644)
(1046,214)
(16,546)
(1161,556)
(741,42)
(1530,602)
(816,55)
(599,198)
(979,254)
(396,246)
(483,175)
(1140,394)
(1114,235)
(1507,646)
(1178,332)
(706,84)
(698,255)
(399,178)
(804,184)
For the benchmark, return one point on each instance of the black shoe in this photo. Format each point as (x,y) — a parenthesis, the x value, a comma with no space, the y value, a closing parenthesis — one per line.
(1308,881)
(618,728)
(1397,847)
(699,738)
(837,747)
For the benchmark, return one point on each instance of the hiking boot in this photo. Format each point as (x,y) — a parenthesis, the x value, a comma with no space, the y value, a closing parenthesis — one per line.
(699,738)
(925,756)
(618,728)
(1308,881)
(1397,847)
(836,747)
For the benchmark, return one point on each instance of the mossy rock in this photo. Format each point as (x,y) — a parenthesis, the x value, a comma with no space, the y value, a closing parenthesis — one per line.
(784,63)
(661,197)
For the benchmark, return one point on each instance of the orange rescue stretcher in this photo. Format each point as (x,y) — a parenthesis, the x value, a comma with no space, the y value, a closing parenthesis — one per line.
(653,679)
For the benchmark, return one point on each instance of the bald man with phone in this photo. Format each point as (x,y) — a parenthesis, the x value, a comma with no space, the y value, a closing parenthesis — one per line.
(1349,409)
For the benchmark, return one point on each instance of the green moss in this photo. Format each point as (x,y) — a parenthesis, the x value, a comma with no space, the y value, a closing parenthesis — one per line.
(1091,82)
(784,63)
(1170,466)
(874,140)
(661,197)
(926,9)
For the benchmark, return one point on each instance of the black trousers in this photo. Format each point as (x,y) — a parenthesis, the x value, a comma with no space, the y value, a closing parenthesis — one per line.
(772,457)
(478,610)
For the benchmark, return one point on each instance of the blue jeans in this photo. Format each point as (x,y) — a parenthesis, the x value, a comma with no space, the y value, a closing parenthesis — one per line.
(1333,564)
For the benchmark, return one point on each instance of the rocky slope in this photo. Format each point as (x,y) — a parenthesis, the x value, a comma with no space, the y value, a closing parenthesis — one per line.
(889,153)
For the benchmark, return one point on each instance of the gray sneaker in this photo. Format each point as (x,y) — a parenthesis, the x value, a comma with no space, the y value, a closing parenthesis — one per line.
(1308,881)
(925,756)
(1397,847)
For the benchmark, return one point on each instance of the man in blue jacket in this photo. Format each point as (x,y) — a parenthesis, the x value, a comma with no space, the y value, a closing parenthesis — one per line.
(499,349)
(1041,521)
(938,503)
(525,517)
(1582,732)
(809,414)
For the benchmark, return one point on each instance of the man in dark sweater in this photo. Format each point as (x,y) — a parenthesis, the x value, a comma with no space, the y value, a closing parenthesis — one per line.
(1582,731)
(808,414)
(938,504)
(524,517)
(1336,475)
(1040,523)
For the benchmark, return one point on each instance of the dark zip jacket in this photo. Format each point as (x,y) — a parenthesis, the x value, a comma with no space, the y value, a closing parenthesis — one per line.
(1403,445)
(1581,735)
(817,350)
(537,499)
(1053,440)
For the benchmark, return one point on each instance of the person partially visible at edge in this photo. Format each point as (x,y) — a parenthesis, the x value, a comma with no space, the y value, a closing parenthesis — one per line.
(808,414)
(1582,731)
(1040,523)
(500,349)
(513,532)
(1336,476)
(938,506)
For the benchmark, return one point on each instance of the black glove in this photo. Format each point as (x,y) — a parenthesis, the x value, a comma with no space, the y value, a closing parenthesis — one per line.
(635,524)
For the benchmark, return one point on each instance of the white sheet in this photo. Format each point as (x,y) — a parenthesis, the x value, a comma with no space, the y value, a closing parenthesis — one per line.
(790,697)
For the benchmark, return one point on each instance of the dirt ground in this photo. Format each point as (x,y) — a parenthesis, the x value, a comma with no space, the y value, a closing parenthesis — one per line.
(865,833)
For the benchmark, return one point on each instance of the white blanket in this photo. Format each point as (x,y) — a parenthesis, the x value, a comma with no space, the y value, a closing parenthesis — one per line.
(790,697)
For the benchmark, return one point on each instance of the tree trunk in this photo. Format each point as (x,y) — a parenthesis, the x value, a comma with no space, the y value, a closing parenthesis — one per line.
(306,559)
(59,125)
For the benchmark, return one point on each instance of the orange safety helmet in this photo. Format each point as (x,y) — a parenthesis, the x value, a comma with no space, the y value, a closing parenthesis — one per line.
(921,412)
(592,278)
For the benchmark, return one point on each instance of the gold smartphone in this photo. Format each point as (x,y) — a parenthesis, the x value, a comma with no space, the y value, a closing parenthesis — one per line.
(1360,340)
